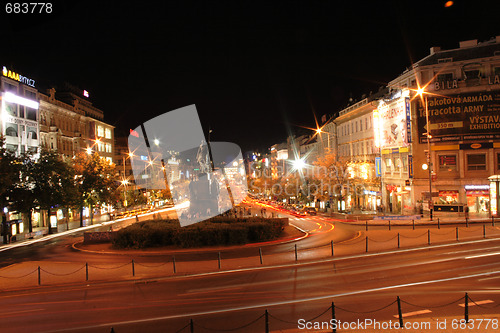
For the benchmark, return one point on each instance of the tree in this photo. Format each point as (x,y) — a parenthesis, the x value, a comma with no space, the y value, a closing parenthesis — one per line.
(96,181)
(332,176)
(9,177)
(53,181)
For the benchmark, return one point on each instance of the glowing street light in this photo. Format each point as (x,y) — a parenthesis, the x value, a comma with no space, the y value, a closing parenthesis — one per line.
(423,96)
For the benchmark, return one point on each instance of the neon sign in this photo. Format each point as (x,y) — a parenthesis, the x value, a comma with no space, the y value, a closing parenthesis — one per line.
(15,76)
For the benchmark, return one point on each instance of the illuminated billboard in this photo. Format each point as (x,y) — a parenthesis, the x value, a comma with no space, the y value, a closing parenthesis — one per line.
(470,116)
(392,123)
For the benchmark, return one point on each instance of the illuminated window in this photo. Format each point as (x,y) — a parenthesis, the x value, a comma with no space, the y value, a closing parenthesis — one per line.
(108,148)
(476,162)
(107,133)
(100,131)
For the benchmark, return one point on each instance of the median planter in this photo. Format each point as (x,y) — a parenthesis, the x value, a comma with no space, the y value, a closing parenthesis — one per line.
(215,232)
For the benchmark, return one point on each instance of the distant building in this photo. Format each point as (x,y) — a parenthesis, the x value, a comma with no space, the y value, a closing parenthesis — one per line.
(70,124)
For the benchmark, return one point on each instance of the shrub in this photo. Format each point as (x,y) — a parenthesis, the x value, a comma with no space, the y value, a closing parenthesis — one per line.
(215,232)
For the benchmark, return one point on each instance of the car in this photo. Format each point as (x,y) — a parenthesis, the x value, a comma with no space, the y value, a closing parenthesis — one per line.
(309,211)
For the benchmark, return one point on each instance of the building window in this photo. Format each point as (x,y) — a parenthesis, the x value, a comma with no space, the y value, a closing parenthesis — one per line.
(11,129)
(448,162)
(108,148)
(30,114)
(107,133)
(444,77)
(472,74)
(100,131)
(476,162)
(388,164)
(11,109)
(397,164)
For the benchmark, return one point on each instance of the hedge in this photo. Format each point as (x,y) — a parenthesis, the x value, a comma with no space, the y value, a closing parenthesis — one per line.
(214,232)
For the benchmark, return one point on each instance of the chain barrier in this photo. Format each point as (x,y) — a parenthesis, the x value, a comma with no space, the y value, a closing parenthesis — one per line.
(117,267)
(441,234)
(282,320)
(182,329)
(56,274)
(484,307)
(152,266)
(436,306)
(229,329)
(414,237)
(382,241)
(18,277)
(364,312)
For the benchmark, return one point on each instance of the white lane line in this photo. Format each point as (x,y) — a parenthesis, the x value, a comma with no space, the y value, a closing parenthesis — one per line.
(414,313)
(487,301)
(490,278)
(483,255)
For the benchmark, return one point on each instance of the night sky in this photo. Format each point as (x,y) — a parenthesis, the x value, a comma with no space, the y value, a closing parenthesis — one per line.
(255,70)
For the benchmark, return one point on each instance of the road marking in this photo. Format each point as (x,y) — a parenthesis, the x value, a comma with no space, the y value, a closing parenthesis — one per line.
(477,303)
(414,313)
(490,278)
(483,255)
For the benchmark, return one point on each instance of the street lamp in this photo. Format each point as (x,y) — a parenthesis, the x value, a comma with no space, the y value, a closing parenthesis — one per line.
(420,92)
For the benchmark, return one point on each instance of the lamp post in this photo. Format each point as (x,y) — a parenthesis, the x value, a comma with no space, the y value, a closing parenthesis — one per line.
(421,92)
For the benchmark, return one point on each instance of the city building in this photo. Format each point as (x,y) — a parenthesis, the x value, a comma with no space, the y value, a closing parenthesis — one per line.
(461,91)
(356,149)
(19,112)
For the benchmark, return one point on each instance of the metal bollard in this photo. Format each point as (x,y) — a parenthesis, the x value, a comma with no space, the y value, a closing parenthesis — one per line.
(260,255)
(429,236)
(296,255)
(267,321)
(86,271)
(366,243)
(389,224)
(173,262)
(334,320)
(39,277)
(219,260)
(466,307)
(399,241)
(439,224)
(413,222)
(400,313)
(332,248)
(133,268)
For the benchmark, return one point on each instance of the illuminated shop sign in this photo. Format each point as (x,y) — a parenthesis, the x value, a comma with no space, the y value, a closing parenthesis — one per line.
(16,76)
(477,187)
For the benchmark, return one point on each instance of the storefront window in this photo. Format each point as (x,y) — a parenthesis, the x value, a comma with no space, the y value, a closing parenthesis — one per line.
(476,162)
(478,198)
(448,197)
(447,162)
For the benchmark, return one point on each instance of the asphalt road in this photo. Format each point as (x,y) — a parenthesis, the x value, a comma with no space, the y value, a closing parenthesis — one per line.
(424,278)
